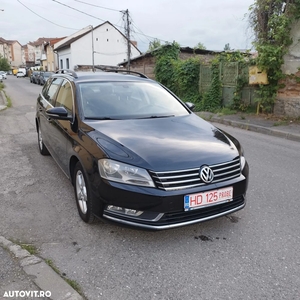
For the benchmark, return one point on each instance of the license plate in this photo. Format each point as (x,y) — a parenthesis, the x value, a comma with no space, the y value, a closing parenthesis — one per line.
(195,201)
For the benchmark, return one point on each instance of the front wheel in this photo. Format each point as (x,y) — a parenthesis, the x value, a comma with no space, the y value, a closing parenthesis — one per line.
(83,196)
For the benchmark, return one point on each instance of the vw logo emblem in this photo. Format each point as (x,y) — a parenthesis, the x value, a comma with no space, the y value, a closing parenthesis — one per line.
(206,174)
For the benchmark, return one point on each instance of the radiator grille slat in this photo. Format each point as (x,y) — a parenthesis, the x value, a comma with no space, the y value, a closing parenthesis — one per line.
(182,179)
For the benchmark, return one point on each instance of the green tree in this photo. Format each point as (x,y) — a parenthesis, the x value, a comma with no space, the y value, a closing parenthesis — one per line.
(271,21)
(4,64)
(227,47)
(200,46)
(154,44)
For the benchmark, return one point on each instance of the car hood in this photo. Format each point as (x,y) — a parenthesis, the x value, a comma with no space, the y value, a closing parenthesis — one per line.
(163,143)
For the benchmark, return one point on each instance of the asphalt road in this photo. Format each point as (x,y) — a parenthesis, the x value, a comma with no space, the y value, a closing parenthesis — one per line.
(251,254)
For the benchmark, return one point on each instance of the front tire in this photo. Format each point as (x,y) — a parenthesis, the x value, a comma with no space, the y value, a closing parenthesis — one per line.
(83,196)
(43,149)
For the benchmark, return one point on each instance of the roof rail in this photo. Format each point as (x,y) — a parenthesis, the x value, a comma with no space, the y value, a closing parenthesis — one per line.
(67,71)
(122,71)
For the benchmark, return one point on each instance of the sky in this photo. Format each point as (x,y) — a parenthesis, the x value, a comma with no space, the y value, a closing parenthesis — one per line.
(213,23)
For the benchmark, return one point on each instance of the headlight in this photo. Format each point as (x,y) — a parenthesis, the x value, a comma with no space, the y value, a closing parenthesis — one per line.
(117,171)
(243,162)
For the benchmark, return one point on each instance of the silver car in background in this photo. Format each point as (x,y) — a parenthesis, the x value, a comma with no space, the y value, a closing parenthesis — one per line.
(3,75)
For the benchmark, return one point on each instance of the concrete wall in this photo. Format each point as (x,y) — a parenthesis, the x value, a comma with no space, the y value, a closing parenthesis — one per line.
(288,98)
(146,64)
(292,58)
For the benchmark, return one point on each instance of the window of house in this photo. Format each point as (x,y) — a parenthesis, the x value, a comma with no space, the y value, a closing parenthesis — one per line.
(67,62)
(61,64)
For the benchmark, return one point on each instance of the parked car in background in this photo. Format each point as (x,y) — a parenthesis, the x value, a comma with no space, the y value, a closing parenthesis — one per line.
(24,70)
(44,77)
(3,74)
(1,78)
(34,77)
(135,153)
(20,74)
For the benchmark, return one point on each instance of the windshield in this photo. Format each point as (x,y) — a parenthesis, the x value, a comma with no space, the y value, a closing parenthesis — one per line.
(128,99)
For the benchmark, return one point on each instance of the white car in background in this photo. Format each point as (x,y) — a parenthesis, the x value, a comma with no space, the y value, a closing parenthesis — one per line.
(3,74)
(20,74)
(1,78)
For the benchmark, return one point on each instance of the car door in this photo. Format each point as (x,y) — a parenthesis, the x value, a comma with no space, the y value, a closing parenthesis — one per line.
(46,100)
(61,130)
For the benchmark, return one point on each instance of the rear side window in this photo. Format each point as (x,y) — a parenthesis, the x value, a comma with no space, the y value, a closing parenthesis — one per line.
(50,90)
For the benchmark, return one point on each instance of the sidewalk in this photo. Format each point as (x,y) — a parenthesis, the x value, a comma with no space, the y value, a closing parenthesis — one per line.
(259,123)
(27,276)
(25,273)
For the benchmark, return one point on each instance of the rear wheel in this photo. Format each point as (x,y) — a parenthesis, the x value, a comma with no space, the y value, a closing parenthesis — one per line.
(83,196)
(42,147)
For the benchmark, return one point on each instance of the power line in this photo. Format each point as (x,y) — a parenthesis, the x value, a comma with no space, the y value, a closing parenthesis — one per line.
(78,10)
(123,28)
(45,18)
(97,5)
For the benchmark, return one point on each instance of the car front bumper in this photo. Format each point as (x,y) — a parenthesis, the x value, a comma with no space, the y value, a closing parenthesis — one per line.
(156,209)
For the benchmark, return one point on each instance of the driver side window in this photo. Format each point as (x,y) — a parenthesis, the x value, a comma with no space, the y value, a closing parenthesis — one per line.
(65,97)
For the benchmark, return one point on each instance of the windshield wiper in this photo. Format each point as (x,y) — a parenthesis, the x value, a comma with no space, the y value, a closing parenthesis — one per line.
(156,117)
(100,118)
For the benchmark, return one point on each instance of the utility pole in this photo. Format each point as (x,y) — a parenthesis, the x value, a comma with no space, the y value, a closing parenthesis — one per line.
(127,33)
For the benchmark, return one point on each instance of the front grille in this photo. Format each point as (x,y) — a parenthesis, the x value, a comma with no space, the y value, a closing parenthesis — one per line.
(183,179)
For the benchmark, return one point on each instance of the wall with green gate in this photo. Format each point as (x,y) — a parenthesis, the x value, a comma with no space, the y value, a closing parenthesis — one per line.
(229,74)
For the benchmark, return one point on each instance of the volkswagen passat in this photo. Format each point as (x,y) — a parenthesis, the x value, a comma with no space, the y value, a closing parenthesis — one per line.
(135,153)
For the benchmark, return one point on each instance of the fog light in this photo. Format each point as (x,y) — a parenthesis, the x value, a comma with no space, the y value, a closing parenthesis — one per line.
(125,211)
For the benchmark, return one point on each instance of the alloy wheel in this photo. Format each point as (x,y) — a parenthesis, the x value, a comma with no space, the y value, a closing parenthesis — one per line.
(81,192)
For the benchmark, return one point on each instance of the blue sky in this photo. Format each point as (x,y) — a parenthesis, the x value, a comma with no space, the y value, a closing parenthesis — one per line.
(214,23)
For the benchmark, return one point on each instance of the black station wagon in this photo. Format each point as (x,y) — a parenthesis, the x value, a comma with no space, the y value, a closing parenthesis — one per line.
(135,153)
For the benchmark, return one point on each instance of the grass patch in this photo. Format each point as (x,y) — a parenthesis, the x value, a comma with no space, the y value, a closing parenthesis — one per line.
(72,283)
(226,111)
(30,248)
(50,263)
(8,100)
(281,123)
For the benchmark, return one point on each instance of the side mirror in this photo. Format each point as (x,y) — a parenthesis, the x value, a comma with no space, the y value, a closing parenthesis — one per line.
(190,105)
(58,113)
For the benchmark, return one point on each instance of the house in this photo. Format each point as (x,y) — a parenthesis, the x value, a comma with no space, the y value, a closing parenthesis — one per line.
(12,51)
(103,45)
(34,52)
(49,58)
(145,63)
(28,55)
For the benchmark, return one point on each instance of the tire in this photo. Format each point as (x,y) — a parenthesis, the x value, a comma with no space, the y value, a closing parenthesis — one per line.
(43,149)
(83,196)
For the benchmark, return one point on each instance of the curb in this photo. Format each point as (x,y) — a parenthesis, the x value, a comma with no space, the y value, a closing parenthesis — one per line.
(3,102)
(41,273)
(249,126)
